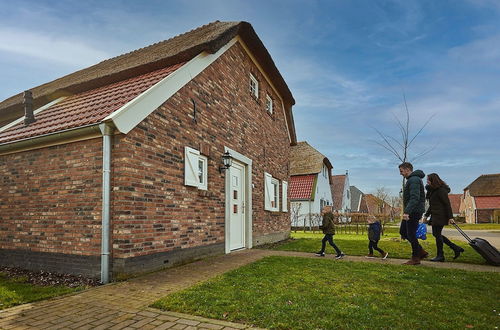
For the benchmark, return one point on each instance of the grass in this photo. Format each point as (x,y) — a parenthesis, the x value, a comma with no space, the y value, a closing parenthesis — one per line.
(16,291)
(302,293)
(352,244)
(480,226)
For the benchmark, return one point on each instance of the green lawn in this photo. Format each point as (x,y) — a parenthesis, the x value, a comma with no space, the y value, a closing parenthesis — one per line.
(479,226)
(303,293)
(16,291)
(357,245)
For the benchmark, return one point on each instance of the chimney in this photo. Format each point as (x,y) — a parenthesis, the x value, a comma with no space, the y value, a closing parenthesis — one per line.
(29,117)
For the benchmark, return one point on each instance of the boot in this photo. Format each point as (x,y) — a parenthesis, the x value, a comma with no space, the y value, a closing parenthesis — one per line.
(438,258)
(413,261)
(457,251)
(423,254)
(384,254)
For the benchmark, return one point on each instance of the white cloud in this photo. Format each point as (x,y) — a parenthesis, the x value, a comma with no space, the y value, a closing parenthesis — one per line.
(65,51)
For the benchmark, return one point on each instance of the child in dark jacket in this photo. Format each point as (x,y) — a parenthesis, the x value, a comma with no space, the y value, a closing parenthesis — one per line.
(329,230)
(374,230)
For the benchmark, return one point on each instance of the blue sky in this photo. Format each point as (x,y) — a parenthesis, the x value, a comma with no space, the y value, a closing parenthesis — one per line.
(347,63)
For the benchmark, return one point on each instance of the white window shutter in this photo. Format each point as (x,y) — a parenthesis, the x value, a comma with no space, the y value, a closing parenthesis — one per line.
(191,167)
(268,191)
(284,196)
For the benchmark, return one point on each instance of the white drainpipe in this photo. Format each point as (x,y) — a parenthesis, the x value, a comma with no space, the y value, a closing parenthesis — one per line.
(107,131)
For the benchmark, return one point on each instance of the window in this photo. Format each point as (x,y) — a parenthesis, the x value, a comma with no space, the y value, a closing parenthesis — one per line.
(269,104)
(271,193)
(254,86)
(195,169)
(284,196)
(275,197)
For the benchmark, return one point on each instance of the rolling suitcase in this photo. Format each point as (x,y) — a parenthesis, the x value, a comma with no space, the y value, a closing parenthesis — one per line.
(483,247)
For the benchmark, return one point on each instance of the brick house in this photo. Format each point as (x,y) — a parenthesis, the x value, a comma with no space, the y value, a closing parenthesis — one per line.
(481,200)
(121,170)
(456,203)
(310,180)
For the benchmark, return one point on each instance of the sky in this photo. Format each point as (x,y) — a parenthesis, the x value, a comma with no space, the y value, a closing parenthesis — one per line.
(350,64)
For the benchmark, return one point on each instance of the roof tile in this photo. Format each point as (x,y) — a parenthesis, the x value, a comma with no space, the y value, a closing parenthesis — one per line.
(301,186)
(487,202)
(86,108)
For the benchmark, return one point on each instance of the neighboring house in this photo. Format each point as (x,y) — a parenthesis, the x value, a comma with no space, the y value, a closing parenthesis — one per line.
(123,173)
(310,179)
(374,205)
(356,198)
(455,201)
(341,193)
(481,202)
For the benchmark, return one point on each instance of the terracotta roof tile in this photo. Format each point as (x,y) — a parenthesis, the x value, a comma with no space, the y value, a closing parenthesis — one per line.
(337,188)
(487,202)
(86,108)
(455,200)
(301,186)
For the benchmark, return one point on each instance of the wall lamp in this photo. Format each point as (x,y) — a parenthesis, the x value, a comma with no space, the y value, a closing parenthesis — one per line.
(227,161)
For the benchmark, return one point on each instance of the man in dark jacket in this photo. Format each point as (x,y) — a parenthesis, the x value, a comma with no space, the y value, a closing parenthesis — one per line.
(414,207)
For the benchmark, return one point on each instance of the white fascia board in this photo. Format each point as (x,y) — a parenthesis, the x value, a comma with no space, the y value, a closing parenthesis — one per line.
(135,111)
(36,112)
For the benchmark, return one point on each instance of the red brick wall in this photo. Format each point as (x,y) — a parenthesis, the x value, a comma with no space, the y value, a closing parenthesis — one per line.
(50,199)
(484,216)
(153,211)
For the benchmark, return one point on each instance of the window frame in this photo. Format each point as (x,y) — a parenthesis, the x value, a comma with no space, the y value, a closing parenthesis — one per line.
(192,159)
(254,89)
(269,104)
(203,185)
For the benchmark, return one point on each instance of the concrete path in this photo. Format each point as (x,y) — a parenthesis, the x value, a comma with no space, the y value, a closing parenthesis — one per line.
(491,236)
(123,305)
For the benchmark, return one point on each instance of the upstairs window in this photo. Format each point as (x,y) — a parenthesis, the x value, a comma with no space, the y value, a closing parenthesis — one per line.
(269,104)
(254,86)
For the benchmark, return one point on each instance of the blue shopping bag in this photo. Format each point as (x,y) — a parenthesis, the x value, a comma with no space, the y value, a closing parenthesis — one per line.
(422,231)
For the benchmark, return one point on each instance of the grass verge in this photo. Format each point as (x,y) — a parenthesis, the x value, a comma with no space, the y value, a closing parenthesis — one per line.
(357,245)
(16,291)
(301,293)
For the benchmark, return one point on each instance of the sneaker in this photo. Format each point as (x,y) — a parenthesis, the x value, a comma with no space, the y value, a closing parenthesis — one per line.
(320,254)
(385,255)
(340,255)
(370,256)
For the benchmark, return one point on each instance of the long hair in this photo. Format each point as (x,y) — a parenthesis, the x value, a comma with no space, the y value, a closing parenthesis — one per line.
(435,181)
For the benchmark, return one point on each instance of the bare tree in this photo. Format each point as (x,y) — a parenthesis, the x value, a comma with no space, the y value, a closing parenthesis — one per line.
(382,195)
(295,213)
(400,147)
(396,202)
(316,221)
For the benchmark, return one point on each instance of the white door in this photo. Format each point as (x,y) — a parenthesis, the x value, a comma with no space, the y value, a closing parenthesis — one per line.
(237,206)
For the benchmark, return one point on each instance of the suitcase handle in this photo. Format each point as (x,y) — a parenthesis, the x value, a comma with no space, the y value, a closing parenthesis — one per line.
(462,232)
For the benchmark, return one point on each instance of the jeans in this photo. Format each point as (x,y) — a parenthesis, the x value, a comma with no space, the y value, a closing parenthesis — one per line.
(440,239)
(329,238)
(411,233)
(373,245)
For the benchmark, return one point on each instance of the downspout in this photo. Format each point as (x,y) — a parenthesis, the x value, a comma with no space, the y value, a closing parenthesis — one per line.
(107,131)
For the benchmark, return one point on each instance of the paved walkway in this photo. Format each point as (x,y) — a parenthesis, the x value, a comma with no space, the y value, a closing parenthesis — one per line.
(123,305)
(490,235)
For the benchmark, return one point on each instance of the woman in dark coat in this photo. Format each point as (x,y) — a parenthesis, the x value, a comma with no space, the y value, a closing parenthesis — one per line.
(441,214)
